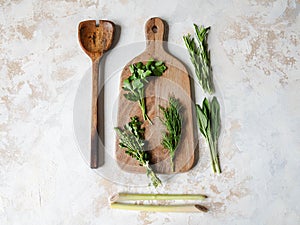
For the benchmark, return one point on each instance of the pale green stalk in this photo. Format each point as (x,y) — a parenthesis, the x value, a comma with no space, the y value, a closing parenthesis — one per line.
(133,197)
(160,208)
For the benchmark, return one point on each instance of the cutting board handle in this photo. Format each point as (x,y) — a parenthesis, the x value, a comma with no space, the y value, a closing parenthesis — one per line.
(154,31)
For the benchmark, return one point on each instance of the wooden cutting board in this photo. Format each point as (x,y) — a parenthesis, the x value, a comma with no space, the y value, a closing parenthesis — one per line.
(175,82)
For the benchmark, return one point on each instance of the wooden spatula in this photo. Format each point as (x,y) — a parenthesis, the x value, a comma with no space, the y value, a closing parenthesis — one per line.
(95,39)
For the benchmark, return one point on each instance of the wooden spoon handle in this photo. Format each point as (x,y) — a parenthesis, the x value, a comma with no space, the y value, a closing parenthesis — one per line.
(94,117)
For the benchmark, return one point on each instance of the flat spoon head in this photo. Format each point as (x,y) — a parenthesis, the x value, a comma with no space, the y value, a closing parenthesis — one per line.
(94,38)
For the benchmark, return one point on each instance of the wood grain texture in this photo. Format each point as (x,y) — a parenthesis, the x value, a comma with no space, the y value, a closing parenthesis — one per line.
(95,40)
(174,82)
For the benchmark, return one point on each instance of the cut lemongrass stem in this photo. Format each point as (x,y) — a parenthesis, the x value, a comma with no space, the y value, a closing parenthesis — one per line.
(159,208)
(132,197)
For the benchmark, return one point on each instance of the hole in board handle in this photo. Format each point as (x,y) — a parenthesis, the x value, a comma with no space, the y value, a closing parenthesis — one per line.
(154,29)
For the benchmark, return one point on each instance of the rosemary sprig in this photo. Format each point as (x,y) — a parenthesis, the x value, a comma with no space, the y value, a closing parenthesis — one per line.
(200,57)
(210,125)
(135,84)
(131,138)
(172,121)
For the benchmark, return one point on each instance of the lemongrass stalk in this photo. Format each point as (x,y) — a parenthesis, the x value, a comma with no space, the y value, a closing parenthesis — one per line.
(132,197)
(159,208)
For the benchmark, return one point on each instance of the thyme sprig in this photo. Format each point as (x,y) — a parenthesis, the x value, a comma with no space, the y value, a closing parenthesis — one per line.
(131,138)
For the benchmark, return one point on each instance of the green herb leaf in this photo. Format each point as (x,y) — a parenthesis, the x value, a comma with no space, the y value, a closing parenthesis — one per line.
(149,63)
(206,107)
(216,121)
(139,65)
(131,68)
(202,120)
(127,85)
(131,97)
(135,127)
(137,84)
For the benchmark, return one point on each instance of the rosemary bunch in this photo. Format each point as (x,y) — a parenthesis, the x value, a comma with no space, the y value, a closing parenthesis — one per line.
(172,121)
(200,57)
(132,139)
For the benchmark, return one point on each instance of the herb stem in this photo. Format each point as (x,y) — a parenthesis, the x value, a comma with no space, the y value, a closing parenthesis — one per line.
(155,180)
(212,157)
(172,161)
(142,104)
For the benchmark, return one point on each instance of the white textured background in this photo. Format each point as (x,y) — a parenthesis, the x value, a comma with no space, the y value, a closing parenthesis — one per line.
(255,56)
